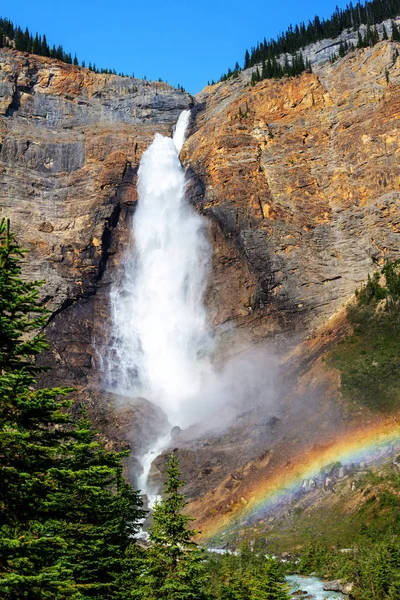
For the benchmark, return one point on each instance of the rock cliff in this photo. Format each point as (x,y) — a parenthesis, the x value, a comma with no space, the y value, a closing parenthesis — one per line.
(71,142)
(299,182)
(302,177)
(70,146)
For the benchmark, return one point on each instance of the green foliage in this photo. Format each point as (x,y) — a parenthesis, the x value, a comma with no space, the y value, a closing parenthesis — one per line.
(66,514)
(351,18)
(372,291)
(247,576)
(359,545)
(369,359)
(395,32)
(372,565)
(173,567)
(12,36)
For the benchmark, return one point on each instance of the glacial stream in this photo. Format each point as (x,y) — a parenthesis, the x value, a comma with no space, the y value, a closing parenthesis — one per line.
(313,586)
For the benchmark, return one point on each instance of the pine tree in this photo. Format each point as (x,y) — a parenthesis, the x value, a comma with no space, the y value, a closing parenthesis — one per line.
(45,50)
(66,514)
(267,582)
(27,446)
(395,32)
(36,45)
(174,566)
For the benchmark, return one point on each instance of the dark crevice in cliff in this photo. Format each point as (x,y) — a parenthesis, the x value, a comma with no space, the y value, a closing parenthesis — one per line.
(129,177)
(68,302)
(15,101)
(15,104)
(106,239)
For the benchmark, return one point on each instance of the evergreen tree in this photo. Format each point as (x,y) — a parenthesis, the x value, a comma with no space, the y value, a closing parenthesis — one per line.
(267,582)
(45,50)
(174,566)
(395,32)
(36,45)
(66,514)
(296,38)
(19,40)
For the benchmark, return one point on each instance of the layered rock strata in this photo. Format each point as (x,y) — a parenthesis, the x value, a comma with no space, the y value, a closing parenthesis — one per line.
(71,142)
(70,146)
(302,177)
(299,182)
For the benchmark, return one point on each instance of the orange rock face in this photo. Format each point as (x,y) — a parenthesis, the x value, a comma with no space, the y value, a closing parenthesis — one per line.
(70,146)
(299,180)
(303,177)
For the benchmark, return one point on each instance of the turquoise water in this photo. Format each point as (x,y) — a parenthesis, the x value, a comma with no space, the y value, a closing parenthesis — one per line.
(311,585)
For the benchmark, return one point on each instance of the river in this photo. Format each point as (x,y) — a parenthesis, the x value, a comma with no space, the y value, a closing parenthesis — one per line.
(313,587)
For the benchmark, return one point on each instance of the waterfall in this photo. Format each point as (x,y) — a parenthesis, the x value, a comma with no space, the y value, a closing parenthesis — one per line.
(161,336)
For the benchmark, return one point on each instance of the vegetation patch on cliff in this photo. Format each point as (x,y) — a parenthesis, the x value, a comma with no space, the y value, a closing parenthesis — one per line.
(369,359)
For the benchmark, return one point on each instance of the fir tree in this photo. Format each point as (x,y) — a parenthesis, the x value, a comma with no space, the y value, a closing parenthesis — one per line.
(36,45)
(174,565)
(267,582)
(28,550)
(45,50)
(395,32)
(66,514)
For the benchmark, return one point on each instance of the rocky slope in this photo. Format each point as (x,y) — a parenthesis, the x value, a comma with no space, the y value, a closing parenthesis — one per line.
(302,177)
(70,145)
(299,182)
(71,142)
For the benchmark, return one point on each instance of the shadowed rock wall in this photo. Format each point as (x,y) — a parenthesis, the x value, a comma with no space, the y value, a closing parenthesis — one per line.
(70,145)
(299,180)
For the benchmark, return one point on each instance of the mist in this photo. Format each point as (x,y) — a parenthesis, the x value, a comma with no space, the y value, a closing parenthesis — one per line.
(163,347)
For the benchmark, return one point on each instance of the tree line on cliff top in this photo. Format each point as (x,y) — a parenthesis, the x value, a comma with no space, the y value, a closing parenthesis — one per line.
(69,522)
(294,39)
(13,36)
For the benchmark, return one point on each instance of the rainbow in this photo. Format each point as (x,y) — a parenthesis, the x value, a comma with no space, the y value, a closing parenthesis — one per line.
(369,445)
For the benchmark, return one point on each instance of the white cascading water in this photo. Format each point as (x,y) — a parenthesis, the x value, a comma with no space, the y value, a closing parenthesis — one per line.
(162,339)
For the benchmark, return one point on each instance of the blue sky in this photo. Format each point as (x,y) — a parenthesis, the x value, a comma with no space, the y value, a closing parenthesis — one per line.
(180,41)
